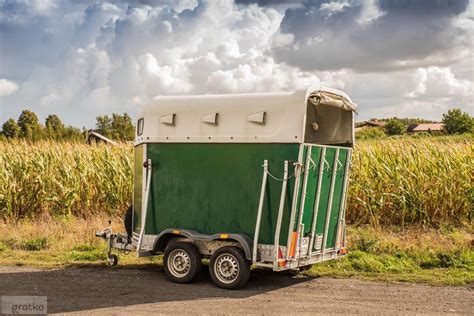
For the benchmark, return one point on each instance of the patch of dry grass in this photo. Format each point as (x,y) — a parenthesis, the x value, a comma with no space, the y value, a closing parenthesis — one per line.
(67,242)
(414,255)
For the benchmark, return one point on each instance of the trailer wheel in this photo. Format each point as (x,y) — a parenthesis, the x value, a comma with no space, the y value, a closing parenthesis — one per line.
(229,268)
(112,260)
(182,262)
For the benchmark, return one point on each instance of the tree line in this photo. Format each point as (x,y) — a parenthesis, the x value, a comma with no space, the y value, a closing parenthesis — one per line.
(454,122)
(27,126)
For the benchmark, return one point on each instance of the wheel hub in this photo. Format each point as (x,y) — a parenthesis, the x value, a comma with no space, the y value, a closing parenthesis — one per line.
(226,268)
(179,263)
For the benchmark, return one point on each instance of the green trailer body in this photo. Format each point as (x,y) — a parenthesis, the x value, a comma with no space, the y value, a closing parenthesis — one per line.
(263,174)
(214,188)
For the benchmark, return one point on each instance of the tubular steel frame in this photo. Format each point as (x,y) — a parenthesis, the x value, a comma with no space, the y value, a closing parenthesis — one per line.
(310,256)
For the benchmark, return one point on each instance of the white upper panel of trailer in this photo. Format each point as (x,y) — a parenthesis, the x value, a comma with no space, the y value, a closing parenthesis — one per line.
(278,117)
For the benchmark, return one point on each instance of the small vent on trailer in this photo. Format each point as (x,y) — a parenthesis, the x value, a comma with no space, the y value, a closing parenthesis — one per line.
(168,119)
(257,117)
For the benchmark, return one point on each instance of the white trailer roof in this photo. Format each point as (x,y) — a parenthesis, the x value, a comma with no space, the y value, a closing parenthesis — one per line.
(277,117)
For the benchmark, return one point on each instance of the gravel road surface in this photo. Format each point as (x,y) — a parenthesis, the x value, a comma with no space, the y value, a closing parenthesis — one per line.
(127,290)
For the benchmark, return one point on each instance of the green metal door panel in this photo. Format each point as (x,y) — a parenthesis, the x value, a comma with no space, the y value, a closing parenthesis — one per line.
(311,187)
(328,160)
(137,187)
(337,198)
(215,188)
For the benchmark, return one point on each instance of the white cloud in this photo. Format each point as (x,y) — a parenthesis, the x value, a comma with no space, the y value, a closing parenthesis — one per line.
(7,87)
(370,12)
(440,82)
(333,6)
(369,35)
(80,59)
(43,7)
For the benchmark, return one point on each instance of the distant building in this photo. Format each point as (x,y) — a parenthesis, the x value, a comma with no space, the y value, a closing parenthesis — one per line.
(94,137)
(427,128)
(375,123)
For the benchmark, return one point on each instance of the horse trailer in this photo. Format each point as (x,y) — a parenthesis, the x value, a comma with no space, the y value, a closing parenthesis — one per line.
(241,179)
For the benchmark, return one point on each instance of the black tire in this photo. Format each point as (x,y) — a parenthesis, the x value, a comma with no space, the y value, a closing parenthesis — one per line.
(182,262)
(112,260)
(128,221)
(237,268)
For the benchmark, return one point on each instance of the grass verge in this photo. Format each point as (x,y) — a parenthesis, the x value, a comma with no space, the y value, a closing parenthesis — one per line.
(437,257)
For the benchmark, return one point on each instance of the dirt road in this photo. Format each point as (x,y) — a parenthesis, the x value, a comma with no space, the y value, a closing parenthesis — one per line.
(143,291)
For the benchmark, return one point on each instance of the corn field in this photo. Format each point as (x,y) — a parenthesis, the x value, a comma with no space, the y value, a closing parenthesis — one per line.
(412,181)
(50,179)
(393,182)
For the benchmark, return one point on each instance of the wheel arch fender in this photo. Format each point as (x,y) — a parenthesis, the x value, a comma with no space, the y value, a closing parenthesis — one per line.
(168,234)
(245,242)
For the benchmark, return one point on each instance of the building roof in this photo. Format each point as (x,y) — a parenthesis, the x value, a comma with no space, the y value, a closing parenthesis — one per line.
(277,117)
(428,127)
(375,123)
(101,137)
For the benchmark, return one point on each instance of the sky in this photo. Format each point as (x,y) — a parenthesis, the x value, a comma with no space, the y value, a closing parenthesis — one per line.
(81,59)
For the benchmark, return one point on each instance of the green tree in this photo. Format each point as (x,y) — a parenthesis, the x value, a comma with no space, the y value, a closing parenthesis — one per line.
(118,127)
(73,134)
(122,127)
(394,127)
(104,125)
(456,121)
(11,129)
(30,127)
(54,127)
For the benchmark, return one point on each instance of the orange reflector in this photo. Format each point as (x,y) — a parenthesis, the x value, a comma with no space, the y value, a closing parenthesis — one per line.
(343,251)
(294,240)
(224,236)
(176,231)
(282,263)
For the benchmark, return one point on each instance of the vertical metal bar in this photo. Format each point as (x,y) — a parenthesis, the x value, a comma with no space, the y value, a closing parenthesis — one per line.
(260,208)
(280,216)
(144,181)
(303,193)
(322,159)
(145,205)
(294,202)
(331,196)
(342,209)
